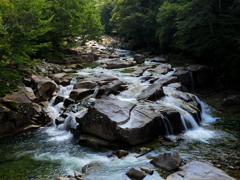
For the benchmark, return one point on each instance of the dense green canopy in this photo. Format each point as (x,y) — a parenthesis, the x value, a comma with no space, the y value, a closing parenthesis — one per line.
(38,29)
(205,30)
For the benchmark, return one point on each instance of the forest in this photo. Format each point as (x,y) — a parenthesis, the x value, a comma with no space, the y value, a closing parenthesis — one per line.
(205,31)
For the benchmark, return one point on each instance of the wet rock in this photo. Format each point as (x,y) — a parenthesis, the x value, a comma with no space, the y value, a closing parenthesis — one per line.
(87,57)
(162,69)
(69,70)
(44,87)
(136,174)
(143,151)
(58,99)
(183,75)
(96,142)
(159,60)
(79,94)
(121,153)
(139,58)
(199,171)
(117,63)
(142,126)
(68,102)
(102,119)
(139,71)
(85,84)
(168,161)
(174,118)
(147,170)
(155,90)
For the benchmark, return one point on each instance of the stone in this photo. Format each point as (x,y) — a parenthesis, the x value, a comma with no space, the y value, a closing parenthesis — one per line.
(96,142)
(44,87)
(162,69)
(139,58)
(68,102)
(168,161)
(121,153)
(82,58)
(80,94)
(199,171)
(58,99)
(142,126)
(155,90)
(102,119)
(147,170)
(117,63)
(135,173)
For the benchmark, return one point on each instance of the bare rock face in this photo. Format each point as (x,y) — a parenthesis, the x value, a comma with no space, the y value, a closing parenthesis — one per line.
(44,87)
(199,171)
(120,121)
(168,161)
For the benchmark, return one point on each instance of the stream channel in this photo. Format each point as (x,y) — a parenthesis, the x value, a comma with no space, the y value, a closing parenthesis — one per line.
(48,152)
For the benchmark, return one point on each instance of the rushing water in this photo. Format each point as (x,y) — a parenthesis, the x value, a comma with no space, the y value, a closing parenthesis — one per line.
(49,152)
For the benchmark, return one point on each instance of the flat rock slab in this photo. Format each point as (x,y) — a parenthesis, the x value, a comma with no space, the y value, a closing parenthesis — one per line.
(199,171)
(117,63)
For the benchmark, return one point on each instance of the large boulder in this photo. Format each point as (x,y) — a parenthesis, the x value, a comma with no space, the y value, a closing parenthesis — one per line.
(168,161)
(44,87)
(120,121)
(199,171)
(142,126)
(102,119)
(18,112)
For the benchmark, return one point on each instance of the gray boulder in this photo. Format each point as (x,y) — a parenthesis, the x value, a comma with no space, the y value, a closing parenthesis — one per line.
(199,171)
(139,58)
(136,174)
(168,161)
(44,87)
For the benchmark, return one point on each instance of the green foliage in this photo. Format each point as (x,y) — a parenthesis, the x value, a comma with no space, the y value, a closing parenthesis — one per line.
(31,30)
(136,20)
(9,79)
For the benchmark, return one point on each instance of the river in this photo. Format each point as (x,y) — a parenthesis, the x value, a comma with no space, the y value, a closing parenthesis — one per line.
(48,152)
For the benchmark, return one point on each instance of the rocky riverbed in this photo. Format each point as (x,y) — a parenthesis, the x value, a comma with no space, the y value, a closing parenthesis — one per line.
(112,99)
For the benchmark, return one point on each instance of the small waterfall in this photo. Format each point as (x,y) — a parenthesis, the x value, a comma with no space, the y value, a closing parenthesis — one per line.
(69,122)
(191,85)
(167,126)
(95,92)
(187,119)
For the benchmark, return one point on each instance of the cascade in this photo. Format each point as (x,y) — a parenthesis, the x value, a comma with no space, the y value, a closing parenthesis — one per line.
(187,119)
(167,126)
(95,92)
